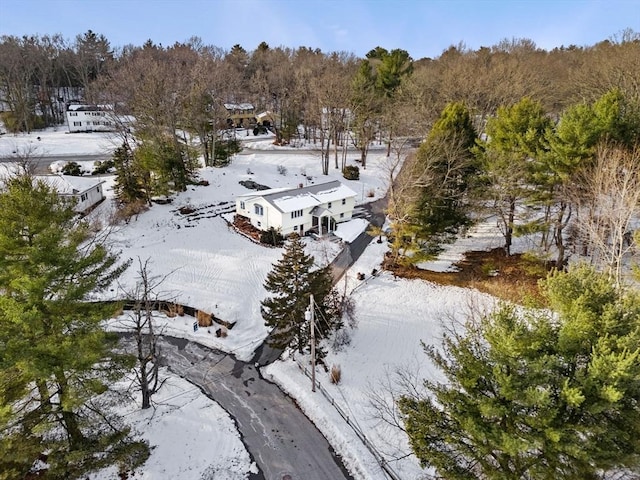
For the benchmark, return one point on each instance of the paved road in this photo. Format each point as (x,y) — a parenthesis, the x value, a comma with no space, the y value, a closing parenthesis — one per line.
(42,163)
(279,437)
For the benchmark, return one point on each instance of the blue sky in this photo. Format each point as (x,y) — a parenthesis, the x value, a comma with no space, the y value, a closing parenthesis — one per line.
(422,27)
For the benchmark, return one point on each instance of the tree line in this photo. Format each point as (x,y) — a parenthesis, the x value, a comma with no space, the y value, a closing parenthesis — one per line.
(545,141)
(572,183)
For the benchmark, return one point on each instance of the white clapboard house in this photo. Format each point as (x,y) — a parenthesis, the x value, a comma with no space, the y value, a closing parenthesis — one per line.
(90,118)
(318,208)
(85,191)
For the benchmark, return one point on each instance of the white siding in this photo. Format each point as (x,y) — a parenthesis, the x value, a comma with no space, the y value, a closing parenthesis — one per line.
(88,199)
(89,121)
(279,214)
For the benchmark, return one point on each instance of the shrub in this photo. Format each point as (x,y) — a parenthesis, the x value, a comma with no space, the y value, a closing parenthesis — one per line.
(340,339)
(15,124)
(271,237)
(72,168)
(282,170)
(170,310)
(371,193)
(204,319)
(186,210)
(127,210)
(224,150)
(351,172)
(336,374)
(103,167)
(489,268)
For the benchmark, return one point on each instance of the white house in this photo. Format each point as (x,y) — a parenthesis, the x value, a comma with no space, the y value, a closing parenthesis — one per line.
(316,208)
(86,191)
(90,118)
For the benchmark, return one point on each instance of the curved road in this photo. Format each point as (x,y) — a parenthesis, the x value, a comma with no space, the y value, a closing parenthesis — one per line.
(282,441)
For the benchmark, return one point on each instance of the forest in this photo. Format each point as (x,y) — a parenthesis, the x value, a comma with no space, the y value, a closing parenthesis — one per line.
(512,128)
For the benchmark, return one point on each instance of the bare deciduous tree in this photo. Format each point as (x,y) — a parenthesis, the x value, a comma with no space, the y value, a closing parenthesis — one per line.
(609,204)
(139,322)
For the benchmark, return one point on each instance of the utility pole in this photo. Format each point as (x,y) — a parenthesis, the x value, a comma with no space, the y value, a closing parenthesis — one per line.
(309,316)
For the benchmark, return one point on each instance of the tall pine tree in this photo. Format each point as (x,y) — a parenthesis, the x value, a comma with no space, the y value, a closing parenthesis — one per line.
(291,282)
(55,360)
(536,395)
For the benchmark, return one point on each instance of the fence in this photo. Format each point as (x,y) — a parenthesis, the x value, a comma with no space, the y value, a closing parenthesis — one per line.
(360,434)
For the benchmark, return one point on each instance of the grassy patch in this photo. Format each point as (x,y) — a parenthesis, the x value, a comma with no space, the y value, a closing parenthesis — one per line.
(513,278)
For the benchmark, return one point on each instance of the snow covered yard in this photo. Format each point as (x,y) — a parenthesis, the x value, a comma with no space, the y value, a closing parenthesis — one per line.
(57,142)
(190,436)
(211,267)
(394,316)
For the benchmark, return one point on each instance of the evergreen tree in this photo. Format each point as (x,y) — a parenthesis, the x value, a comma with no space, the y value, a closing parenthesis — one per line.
(291,282)
(130,180)
(445,165)
(536,395)
(515,139)
(54,358)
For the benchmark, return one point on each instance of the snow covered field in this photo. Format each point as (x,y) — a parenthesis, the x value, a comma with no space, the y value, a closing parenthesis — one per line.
(210,267)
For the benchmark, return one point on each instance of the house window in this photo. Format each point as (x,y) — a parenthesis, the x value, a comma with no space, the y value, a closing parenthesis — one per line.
(242,206)
(258,209)
(83,197)
(296,214)
(98,189)
(329,206)
(344,201)
(342,215)
(73,114)
(295,228)
(77,124)
(259,224)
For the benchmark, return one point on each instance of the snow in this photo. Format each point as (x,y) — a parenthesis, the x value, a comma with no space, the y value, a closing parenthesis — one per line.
(211,267)
(349,231)
(190,436)
(57,142)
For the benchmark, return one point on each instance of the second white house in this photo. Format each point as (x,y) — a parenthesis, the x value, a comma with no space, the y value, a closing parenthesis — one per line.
(317,208)
(86,192)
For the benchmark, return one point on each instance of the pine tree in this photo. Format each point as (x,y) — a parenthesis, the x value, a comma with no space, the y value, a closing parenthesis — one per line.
(515,138)
(445,166)
(130,181)
(55,359)
(291,282)
(536,395)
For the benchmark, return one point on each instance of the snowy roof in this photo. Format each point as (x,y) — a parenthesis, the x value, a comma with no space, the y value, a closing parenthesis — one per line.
(69,184)
(238,106)
(88,108)
(291,199)
(265,114)
(262,193)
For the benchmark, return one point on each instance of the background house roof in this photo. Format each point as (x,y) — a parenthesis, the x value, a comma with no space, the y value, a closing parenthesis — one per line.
(69,184)
(88,108)
(238,106)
